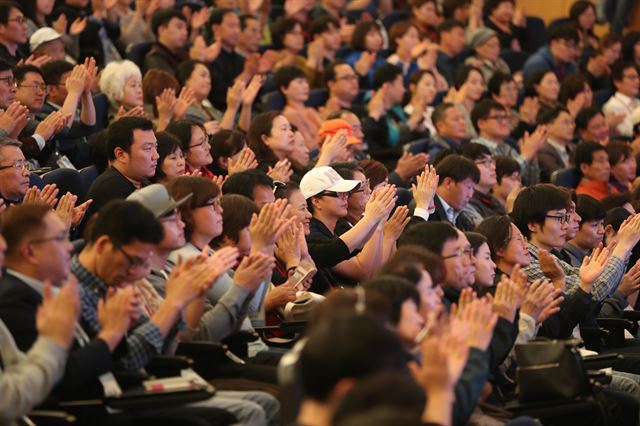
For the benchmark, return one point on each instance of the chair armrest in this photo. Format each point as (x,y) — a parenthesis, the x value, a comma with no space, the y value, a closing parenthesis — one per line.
(594,337)
(597,362)
(129,379)
(165,365)
(207,357)
(51,418)
(614,323)
(631,315)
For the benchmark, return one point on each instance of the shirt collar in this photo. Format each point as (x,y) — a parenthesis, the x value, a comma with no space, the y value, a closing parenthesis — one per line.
(87,279)
(35,284)
(624,98)
(447,209)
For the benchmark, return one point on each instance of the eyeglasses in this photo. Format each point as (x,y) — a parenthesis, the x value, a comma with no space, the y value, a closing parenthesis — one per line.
(561,219)
(499,117)
(350,77)
(631,76)
(171,217)
(341,195)
(215,204)
(60,238)
(135,262)
(204,142)
(460,253)
(10,81)
(19,20)
(363,187)
(35,86)
(19,165)
(521,238)
(487,162)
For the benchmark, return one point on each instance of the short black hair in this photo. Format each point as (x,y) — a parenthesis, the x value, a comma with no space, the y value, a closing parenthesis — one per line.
(243,183)
(182,129)
(449,7)
(185,69)
(534,203)
(20,72)
(218,14)
(496,81)
(5,66)
(474,151)
(629,41)
(162,17)
(396,291)
(567,32)
(244,18)
(168,143)
(505,166)
(497,231)
(286,74)
(463,74)
(386,73)
(322,24)
(439,112)
(491,5)
(330,70)
(549,115)
(226,143)
(124,222)
(589,209)
(584,117)
(615,217)
(331,353)
(457,168)
(612,201)
(584,153)
(430,235)
(360,33)
(571,87)
(533,80)
(618,151)
(52,71)
(280,28)
(475,240)
(120,134)
(482,110)
(416,76)
(447,25)
(617,72)
(5,10)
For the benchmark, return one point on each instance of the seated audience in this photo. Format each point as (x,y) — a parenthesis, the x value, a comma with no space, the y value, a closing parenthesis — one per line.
(592,164)
(627,84)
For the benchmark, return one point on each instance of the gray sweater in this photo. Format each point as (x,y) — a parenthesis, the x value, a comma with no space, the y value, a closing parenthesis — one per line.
(27,379)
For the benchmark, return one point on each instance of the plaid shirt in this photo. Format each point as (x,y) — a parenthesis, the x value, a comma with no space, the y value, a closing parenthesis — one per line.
(144,339)
(530,171)
(604,286)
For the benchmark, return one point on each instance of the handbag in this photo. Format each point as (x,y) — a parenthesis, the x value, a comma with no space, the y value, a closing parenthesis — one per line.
(550,370)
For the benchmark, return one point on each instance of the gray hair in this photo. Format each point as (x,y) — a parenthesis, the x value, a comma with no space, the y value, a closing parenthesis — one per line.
(115,76)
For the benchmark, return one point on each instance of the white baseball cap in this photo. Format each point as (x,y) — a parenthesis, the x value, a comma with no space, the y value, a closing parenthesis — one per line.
(325,178)
(42,36)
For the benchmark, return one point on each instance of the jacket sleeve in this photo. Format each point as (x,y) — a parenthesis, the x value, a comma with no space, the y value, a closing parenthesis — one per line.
(576,307)
(468,388)
(84,365)
(224,317)
(614,306)
(328,253)
(504,337)
(27,380)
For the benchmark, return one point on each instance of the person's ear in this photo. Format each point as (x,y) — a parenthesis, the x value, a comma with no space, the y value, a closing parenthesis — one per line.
(102,244)
(534,227)
(341,388)
(26,253)
(584,168)
(224,162)
(315,202)
(120,154)
(609,233)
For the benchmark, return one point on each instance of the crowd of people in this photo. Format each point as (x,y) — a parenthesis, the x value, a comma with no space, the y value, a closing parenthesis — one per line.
(364,206)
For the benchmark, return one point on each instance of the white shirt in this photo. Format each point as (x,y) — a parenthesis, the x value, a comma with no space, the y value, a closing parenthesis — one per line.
(624,104)
(451,213)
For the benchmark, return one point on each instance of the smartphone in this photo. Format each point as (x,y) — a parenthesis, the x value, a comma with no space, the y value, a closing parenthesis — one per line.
(300,275)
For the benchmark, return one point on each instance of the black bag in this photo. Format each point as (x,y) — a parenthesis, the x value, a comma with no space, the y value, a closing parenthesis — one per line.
(551,370)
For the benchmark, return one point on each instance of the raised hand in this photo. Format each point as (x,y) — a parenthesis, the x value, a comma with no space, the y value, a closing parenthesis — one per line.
(287,248)
(56,317)
(115,314)
(552,269)
(630,281)
(183,102)
(279,296)
(246,160)
(252,89)
(505,300)
(78,26)
(199,18)
(592,267)
(365,62)
(14,118)
(64,208)
(381,203)
(165,104)
(78,212)
(253,270)
(281,171)
(219,180)
(137,111)
(60,24)
(92,71)
(333,148)
(480,320)
(77,79)
(52,124)
(376,104)
(396,223)
(46,196)
(410,165)
(531,144)
(221,262)
(425,187)
(235,94)
(267,226)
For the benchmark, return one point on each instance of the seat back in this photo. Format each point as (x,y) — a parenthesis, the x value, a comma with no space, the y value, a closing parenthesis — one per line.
(395,16)
(418,146)
(87,176)
(137,52)
(600,97)
(35,180)
(273,101)
(67,180)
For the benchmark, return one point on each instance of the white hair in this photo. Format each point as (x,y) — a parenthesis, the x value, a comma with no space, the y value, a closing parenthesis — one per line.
(115,76)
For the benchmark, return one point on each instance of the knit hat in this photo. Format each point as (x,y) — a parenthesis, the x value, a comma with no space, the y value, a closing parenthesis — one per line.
(331,127)
(480,37)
